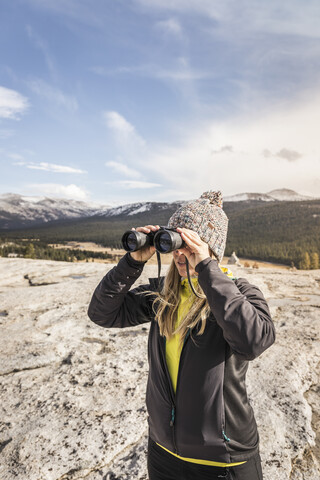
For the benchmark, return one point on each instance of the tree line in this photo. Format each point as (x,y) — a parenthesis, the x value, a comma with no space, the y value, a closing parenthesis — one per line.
(278,232)
(42,251)
(295,257)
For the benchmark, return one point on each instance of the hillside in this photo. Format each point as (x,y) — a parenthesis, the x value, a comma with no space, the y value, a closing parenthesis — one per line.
(273,231)
(18,211)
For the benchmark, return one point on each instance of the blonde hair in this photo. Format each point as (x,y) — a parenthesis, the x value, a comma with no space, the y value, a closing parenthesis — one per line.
(166,303)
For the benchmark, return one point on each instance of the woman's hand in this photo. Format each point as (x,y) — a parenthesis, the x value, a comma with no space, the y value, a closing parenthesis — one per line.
(145,253)
(196,250)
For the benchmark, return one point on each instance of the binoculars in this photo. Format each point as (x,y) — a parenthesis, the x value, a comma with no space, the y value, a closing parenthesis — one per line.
(165,240)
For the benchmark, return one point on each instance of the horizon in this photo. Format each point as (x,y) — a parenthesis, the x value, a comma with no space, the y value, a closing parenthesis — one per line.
(39,198)
(109,102)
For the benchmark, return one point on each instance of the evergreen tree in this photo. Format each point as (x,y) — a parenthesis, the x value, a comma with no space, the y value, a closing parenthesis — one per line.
(30,251)
(304,263)
(314,261)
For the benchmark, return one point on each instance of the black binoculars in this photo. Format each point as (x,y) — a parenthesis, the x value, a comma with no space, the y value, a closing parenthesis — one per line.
(165,240)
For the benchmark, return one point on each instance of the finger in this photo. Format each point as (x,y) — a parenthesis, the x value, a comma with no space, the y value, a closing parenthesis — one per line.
(145,229)
(192,242)
(189,233)
(187,230)
(153,227)
(150,228)
(142,229)
(193,237)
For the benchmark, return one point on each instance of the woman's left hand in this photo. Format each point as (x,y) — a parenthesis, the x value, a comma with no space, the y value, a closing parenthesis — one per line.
(196,250)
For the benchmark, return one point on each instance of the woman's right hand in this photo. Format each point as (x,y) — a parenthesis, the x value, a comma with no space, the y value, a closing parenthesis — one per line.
(145,253)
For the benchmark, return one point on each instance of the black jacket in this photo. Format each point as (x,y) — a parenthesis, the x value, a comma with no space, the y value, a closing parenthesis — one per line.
(209,417)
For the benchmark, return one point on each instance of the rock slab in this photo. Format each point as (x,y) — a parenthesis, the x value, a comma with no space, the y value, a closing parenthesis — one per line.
(72,394)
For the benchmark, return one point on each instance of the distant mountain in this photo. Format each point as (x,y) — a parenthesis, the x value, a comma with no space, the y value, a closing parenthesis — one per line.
(17,211)
(276,231)
(137,208)
(285,194)
(247,197)
(282,195)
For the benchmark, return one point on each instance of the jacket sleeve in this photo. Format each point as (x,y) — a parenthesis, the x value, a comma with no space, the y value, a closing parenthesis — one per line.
(240,309)
(113,305)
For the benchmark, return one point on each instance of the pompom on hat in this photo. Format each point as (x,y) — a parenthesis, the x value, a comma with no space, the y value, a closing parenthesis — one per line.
(206,217)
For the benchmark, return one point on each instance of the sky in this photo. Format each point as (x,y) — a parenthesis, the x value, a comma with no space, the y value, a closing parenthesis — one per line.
(121,101)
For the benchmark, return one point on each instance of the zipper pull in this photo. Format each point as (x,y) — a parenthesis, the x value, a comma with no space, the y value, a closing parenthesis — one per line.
(172,417)
(225,436)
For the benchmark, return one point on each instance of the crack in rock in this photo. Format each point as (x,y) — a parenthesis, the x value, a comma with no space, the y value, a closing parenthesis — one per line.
(4,444)
(34,284)
(18,370)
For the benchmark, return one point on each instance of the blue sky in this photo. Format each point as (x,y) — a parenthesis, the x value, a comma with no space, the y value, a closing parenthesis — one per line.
(115,101)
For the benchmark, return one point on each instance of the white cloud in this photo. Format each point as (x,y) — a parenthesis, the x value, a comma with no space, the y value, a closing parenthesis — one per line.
(16,156)
(290,155)
(63,191)
(53,95)
(180,72)
(170,27)
(131,184)
(12,103)
(43,47)
(226,148)
(118,123)
(287,18)
(75,10)
(247,166)
(199,7)
(52,167)
(284,153)
(124,132)
(123,169)
(5,133)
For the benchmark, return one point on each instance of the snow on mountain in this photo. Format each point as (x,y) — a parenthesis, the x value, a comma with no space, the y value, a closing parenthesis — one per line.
(285,194)
(282,194)
(135,208)
(244,197)
(29,210)
(18,211)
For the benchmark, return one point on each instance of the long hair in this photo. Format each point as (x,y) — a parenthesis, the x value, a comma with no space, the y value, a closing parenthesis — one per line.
(166,303)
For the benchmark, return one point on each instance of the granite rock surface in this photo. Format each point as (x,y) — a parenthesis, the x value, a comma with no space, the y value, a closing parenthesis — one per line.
(72,394)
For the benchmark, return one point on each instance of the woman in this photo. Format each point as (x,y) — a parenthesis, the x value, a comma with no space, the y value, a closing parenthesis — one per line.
(201,424)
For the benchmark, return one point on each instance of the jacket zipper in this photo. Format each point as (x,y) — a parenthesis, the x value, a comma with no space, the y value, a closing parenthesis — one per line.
(179,369)
(172,394)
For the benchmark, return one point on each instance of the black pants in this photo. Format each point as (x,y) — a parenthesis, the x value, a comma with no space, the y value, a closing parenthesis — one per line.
(164,466)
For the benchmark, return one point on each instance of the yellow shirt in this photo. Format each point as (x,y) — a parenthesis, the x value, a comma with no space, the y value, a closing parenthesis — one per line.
(173,353)
(173,346)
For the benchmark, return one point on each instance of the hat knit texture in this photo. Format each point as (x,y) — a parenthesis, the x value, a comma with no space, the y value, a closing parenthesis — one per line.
(206,217)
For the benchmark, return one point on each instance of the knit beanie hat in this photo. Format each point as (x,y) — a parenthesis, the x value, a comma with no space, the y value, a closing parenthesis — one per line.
(206,217)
